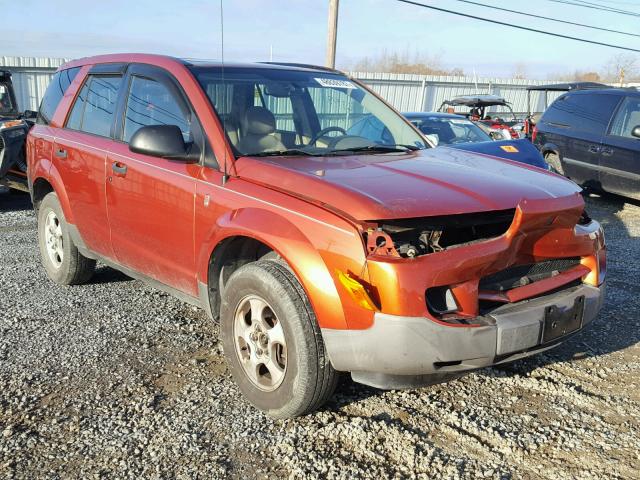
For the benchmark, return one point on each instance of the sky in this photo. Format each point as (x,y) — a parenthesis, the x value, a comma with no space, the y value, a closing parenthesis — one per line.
(295,31)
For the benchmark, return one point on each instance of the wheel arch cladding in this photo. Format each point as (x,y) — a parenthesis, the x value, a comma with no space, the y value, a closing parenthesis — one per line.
(54,179)
(255,227)
(41,187)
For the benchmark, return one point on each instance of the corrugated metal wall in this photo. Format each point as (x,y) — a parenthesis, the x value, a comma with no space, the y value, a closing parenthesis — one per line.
(406,92)
(31,76)
(415,93)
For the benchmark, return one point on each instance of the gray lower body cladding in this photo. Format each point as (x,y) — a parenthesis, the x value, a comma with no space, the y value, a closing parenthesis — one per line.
(404,352)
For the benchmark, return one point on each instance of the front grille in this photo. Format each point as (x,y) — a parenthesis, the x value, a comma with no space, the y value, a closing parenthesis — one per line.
(521,275)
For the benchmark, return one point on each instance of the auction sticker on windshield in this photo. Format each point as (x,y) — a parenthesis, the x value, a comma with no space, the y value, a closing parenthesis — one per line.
(335,83)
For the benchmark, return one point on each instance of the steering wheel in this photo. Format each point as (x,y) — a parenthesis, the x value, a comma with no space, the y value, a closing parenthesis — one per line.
(324,131)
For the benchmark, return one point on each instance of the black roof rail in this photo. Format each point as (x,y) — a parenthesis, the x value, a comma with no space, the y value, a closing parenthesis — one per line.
(303,65)
(568,86)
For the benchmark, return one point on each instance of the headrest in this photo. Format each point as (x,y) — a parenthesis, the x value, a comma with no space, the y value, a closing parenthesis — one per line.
(259,121)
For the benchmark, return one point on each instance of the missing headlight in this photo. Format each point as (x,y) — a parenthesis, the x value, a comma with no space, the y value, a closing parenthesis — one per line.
(414,237)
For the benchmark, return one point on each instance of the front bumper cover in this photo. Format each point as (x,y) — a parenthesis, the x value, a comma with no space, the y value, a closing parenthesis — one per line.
(404,352)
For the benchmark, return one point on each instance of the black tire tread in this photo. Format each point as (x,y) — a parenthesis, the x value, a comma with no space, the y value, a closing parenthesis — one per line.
(327,378)
(316,377)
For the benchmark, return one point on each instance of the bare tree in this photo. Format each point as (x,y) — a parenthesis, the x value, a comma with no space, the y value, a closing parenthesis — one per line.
(622,68)
(520,70)
(394,62)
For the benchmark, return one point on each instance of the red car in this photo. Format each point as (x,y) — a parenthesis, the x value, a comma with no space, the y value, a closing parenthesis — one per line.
(321,242)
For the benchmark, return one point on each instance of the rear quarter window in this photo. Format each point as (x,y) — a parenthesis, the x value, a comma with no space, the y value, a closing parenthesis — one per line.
(54,93)
(587,112)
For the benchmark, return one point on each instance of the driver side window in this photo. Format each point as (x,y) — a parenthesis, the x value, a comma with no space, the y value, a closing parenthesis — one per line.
(152,103)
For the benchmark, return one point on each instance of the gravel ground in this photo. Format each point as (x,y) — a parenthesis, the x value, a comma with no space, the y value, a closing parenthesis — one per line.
(118,380)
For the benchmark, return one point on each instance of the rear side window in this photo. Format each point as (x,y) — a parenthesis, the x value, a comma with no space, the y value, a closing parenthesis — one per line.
(54,93)
(75,119)
(589,113)
(95,105)
(627,118)
(152,103)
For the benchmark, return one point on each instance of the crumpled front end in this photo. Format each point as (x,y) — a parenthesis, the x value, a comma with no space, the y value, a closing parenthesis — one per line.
(462,297)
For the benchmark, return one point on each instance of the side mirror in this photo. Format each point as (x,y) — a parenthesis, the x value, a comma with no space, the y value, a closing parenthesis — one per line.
(636,131)
(30,115)
(495,135)
(164,141)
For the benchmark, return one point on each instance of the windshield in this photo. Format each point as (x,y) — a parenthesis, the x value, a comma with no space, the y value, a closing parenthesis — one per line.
(6,105)
(274,111)
(449,131)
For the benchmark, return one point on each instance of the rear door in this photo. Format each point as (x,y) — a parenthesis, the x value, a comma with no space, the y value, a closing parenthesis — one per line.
(80,153)
(589,114)
(151,200)
(620,156)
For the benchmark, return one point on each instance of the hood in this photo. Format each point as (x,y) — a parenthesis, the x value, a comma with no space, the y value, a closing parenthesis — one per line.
(521,151)
(437,181)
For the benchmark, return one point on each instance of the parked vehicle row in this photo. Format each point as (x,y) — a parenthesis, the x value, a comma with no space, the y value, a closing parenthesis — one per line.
(324,242)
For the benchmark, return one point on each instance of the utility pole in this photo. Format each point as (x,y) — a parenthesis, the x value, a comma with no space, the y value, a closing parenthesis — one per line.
(332,34)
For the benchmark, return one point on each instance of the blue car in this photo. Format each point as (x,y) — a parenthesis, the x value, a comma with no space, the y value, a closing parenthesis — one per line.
(456,131)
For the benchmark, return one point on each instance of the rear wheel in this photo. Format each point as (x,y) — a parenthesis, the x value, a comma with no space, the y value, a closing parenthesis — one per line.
(273,343)
(63,262)
(554,162)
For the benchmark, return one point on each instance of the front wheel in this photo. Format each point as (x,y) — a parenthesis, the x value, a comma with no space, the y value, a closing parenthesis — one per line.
(272,341)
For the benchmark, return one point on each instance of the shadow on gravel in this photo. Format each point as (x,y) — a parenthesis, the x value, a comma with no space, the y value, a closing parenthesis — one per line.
(15,201)
(349,392)
(615,328)
(106,274)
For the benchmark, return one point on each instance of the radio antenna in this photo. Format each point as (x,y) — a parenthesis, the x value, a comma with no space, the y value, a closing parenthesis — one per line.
(225,175)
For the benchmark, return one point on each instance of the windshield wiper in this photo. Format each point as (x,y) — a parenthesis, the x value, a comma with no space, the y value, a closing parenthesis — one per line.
(280,153)
(398,147)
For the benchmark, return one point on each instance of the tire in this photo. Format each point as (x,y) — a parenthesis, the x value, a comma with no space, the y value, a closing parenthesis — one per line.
(303,378)
(64,264)
(554,162)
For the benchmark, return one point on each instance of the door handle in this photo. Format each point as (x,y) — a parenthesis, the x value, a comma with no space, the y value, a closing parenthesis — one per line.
(594,149)
(61,153)
(607,152)
(119,169)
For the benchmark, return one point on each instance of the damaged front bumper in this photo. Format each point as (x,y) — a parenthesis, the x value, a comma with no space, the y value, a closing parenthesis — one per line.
(405,352)
(477,304)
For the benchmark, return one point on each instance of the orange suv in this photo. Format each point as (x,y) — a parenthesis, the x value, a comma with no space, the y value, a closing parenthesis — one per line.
(313,221)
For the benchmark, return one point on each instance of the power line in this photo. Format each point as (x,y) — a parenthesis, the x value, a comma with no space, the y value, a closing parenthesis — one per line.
(593,42)
(549,18)
(595,6)
(607,5)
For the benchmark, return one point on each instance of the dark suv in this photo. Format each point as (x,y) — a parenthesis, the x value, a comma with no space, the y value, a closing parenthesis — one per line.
(593,137)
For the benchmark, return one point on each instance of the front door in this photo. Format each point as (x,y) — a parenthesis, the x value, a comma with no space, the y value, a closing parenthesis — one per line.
(150,200)
(620,157)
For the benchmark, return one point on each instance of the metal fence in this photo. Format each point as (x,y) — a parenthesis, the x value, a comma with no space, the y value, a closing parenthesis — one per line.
(31,75)
(425,93)
(406,92)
